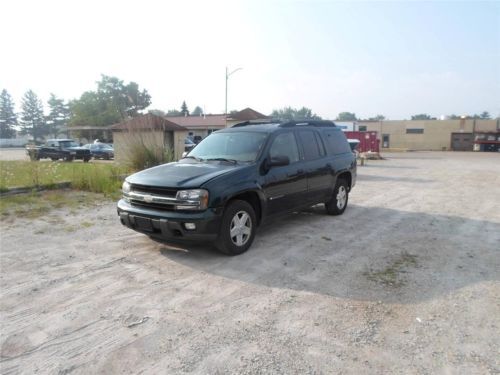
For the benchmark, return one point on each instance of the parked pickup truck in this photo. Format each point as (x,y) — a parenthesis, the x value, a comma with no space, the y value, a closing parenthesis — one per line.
(238,178)
(56,149)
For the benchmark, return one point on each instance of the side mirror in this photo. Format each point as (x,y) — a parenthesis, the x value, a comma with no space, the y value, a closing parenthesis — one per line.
(184,154)
(278,161)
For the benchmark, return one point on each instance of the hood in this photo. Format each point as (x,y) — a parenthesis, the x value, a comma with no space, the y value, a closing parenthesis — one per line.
(182,174)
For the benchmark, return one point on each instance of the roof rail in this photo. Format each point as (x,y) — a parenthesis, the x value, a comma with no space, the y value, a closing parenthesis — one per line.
(245,123)
(288,123)
(317,123)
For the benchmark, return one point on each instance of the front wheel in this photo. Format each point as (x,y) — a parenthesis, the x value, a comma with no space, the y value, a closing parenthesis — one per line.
(86,160)
(237,228)
(338,202)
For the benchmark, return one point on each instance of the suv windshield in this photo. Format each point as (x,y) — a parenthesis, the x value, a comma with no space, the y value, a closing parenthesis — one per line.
(67,144)
(239,146)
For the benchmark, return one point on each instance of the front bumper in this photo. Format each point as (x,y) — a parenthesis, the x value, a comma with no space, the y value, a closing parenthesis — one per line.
(169,225)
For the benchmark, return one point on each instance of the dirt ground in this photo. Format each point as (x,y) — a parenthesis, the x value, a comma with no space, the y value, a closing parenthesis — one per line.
(406,281)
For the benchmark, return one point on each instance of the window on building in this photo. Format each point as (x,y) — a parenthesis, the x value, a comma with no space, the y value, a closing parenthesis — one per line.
(415,131)
(362,128)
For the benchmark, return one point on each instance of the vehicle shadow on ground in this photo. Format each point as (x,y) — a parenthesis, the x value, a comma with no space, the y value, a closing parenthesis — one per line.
(369,253)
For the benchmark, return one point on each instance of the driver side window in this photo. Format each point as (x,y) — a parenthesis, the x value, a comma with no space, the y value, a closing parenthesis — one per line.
(285,145)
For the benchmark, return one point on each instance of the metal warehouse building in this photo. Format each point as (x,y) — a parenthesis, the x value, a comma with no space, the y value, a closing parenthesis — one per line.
(436,135)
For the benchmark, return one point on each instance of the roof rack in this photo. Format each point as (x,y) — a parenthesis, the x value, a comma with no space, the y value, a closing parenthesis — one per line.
(288,123)
(316,123)
(246,123)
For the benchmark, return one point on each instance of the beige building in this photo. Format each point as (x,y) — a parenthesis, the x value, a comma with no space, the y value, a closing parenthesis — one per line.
(198,127)
(429,135)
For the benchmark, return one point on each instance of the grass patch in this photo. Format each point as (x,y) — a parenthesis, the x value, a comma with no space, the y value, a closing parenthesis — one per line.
(102,178)
(392,274)
(35,205)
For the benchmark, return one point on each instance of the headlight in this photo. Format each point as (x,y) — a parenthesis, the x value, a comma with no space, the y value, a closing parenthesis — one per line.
(196,199)
(126,187)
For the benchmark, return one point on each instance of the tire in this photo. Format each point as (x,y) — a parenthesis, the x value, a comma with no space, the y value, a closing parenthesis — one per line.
(55,159)
(237,212)
(68,158)
(338,203)
(86,160)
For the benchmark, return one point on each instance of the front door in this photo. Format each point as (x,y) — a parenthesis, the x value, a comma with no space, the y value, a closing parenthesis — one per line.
(461,141)
(285,185)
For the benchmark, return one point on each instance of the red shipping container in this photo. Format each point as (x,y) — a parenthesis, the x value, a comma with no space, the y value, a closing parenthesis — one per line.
(368,141)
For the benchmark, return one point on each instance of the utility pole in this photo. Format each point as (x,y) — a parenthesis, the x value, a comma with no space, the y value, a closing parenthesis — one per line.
(227,77)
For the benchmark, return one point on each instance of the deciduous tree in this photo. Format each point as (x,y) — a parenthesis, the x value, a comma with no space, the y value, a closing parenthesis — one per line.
(422,116)
(112,102)
(197,111)
(346,116)
(289,113)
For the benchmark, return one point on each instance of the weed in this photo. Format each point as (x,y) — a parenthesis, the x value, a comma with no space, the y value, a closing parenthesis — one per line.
(391,275)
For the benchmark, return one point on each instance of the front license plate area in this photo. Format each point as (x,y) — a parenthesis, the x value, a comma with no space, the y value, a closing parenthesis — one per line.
(143,224)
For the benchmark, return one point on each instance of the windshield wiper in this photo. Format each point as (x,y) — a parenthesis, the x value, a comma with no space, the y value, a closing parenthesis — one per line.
(224,159)
(193,157)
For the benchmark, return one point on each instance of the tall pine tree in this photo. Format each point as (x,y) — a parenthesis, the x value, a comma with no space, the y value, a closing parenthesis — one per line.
(58,115)
(32,119)
(184,109)
(8,118)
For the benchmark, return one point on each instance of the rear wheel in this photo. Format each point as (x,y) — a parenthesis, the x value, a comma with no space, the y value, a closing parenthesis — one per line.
(68,158)
(55,159)
(86,160)
(338,202)
(237,228)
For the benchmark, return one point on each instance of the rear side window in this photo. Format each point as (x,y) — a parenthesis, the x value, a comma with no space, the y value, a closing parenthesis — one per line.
(337,142)
(285,145)
(309,145)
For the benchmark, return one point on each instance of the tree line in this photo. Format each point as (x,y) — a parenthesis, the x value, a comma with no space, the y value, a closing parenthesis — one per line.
(113,101)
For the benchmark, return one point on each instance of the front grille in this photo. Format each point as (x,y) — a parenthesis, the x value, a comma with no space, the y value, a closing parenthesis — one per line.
(156,206)
(168,192)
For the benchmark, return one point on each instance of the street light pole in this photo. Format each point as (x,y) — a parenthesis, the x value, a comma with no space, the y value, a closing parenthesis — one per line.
(227,77)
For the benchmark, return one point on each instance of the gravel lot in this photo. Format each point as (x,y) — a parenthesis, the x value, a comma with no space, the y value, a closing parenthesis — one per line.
(406,281)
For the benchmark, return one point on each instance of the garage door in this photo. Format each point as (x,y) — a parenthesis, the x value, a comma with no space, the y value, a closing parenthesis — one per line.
(461,141)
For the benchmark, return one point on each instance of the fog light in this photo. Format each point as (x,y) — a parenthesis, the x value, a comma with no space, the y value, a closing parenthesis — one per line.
(190,226)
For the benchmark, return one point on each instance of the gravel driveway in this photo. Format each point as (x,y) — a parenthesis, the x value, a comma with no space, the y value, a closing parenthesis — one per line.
(406,281)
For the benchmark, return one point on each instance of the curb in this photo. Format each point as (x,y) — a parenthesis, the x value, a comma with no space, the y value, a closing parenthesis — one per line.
(24,190)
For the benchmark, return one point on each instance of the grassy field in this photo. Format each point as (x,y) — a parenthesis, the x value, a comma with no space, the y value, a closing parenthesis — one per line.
(98,178)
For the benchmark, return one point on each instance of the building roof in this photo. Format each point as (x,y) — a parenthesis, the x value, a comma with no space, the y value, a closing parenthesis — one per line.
(199,122)
(148,121)
(247,114)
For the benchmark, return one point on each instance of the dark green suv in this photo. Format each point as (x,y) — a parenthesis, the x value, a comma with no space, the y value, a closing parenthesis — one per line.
(236,179)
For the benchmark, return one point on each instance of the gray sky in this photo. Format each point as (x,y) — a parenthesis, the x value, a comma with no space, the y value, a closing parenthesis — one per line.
(396,59)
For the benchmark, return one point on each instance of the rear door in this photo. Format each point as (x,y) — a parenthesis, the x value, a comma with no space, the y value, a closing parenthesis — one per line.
(341,156)
(285,186)
(316,165)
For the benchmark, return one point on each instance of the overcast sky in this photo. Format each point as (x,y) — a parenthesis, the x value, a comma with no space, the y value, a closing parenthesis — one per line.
(392,58)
